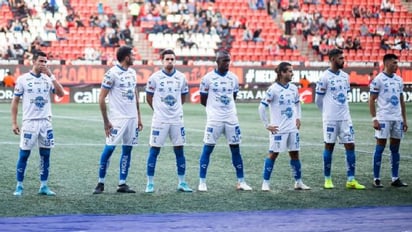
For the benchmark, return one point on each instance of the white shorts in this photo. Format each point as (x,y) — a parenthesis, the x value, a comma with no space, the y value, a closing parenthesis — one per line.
(213,130)
(38,130)
(160,131)
(282,142)
(124,131)
(338,129)
(390,129)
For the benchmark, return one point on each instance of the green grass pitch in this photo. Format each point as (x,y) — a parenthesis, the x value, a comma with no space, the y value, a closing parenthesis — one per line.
(79,138)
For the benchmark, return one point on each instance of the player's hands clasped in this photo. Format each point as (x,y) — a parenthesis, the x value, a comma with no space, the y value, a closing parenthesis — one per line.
(272,129)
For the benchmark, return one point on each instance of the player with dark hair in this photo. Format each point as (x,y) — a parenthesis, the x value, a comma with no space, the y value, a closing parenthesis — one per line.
(166,91)
(331,98)
(218,90)
(34,89)
(124,122)
(283,101)
(388,111)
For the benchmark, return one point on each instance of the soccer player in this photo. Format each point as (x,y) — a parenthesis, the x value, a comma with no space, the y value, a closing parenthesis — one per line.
(331,98)
(34,89)
(166,91)
(389,119)
(283,101)
(218,90)
(124,122)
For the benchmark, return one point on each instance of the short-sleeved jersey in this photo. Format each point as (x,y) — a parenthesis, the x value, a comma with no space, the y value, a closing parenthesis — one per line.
(334,87)
(220,104)
(282,102)
(35,92)
(121,84)
(389,89)
(167,91)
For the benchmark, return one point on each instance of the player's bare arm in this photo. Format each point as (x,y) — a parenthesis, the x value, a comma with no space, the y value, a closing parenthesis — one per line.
(103,109)
(14,110)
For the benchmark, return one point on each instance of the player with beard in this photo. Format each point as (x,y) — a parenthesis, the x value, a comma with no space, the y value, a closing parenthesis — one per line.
(124,122)
(331,98)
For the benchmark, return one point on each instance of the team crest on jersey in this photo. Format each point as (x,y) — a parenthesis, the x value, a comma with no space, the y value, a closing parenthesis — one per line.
(39,101)
(169,100)
(394,100)
(225,99)
(341,98)
(288,112)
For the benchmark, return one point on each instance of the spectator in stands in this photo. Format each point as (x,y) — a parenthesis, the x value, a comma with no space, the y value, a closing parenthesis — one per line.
(402,30)
(247,34)
(100,8)
(283,42)
(385,44)
(357,44)
(323,50)
(387,6)
(400,43)
(61,32)
(356,11)
(272,8)
(17,26)
(293,43)
(316,42)
(364,30)
(8,80)
(332,2)
(134,9)
(340,42)
(345,24)
(388,29)
(93,20)
(380,31)
(273,48)
(78,21)
(126,35)
(349,43)
(49,27)
(256,35)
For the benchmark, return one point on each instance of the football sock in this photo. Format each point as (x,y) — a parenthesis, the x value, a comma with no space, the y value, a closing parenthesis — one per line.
(43,183)
(267,168)
(395,157)
(44,163)
(377,160)
(151,160)
(180,160)
(350,163)
(125,163)
(237,160)
(104,160)
(327,162)
(296,169)
(21,164)
(204,160)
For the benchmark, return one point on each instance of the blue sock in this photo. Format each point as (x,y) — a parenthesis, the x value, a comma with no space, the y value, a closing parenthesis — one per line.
(327,162)
(395,157)
(21,164)
(151,160)
(104,160)
(204,159)
(377,160)
(125,162)
(237,160)
(180,160)
(268,168)
(296,169)
(350,162)
(44,163)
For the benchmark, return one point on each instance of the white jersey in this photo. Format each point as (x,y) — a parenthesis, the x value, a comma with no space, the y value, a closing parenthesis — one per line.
(35,91)
(122,86)
(389,89)
(167,91)
(282,102)
(220,104)
(334,87)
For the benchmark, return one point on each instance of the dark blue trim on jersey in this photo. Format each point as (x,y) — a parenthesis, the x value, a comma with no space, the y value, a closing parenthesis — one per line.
(18,95)
(37,76)
(320,93)
(264,103)
(336,73)
(220,74)
(390,76)
(167,74)
(204,93)
(373,92)
(150,93)
(283,86)
(185,93)
(121,67)
(106,87)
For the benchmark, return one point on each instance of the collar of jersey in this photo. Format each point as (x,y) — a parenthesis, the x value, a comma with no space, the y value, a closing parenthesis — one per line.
(37,76)
(283,86)
(220,74)
(388,75)
(121,67)
(171,74)
(336,73)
